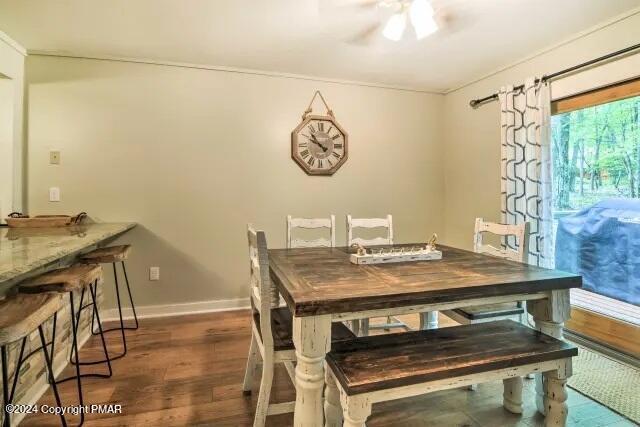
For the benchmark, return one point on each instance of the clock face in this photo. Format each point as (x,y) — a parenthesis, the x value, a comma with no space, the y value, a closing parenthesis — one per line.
(319,145)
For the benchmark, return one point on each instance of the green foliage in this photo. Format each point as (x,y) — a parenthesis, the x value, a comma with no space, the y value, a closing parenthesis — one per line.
(596,154)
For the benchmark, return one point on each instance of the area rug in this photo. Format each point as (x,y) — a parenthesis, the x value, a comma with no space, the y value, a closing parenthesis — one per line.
(613,384)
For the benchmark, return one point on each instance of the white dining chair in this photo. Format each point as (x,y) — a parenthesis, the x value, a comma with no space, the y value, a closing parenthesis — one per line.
(369,223)
(362,326)
(487,313)
(294,224)
(491,312)
(271,331)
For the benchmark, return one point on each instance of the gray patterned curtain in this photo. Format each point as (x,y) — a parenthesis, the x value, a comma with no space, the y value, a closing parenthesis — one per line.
(526,166)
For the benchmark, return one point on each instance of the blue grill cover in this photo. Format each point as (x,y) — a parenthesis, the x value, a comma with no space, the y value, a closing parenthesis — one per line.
(602,244)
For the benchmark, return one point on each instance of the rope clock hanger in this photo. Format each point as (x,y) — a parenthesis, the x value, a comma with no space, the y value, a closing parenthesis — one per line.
(319,145)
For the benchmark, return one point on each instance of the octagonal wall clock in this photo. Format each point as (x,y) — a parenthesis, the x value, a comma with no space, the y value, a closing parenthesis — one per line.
(319,144)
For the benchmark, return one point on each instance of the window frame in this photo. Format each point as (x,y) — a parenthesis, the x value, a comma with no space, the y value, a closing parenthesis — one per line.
(610,93)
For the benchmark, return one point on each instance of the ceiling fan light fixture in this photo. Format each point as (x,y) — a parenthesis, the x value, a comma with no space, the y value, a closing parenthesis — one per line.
(395,26)
(421,15)
(424,27)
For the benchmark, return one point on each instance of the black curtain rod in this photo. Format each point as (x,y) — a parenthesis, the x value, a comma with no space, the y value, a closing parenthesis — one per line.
(476,102)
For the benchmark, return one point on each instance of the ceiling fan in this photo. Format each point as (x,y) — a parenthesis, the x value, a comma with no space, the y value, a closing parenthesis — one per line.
(418,13)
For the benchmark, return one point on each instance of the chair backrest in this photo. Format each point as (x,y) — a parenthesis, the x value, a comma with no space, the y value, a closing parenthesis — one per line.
(521,231)
(386,223)
(311,223)
(264,296)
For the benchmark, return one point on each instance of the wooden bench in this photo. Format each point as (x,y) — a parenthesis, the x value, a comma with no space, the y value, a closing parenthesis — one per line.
(380,368)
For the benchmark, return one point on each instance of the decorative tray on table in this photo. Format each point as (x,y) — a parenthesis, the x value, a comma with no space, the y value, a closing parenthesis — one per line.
(426,252)
(19,220)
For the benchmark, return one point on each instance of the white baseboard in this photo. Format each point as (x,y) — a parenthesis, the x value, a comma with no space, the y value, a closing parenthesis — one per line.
(149,311)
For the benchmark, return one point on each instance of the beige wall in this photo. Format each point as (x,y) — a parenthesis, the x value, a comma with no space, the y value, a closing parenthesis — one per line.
(193,155)
(472,136)
(11,126)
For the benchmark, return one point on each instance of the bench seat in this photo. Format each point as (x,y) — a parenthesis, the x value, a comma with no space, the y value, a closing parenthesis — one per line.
(392,360)
(381,368)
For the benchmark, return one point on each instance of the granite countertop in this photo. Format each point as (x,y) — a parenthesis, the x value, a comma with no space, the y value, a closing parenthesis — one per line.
(26,249)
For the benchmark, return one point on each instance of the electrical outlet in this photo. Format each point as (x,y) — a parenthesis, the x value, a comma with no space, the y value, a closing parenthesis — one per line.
(54,194)
(154,273)
(54,157)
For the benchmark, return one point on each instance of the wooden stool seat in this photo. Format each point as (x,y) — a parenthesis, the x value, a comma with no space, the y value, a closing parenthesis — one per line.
(282,329)
(489,311)
(107,255)
(21,314)
(393,360)
(67,279)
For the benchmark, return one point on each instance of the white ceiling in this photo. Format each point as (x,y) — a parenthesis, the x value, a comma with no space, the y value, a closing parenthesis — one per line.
(322,38)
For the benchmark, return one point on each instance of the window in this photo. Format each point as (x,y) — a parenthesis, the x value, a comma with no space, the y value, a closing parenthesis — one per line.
(595,147)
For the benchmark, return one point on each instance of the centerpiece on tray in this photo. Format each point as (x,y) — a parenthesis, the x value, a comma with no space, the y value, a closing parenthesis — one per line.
(385,255)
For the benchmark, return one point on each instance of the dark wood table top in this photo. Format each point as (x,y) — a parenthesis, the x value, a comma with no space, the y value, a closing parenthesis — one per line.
(323,281)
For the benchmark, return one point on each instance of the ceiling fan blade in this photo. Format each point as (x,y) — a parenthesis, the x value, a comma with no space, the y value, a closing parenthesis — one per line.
(366,35)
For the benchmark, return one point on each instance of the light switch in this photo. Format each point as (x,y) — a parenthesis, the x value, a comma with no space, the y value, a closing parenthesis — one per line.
(154,273)
(54,157)
(54,194)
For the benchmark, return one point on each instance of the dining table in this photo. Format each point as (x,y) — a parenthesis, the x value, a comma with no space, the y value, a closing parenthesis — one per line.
(321,286)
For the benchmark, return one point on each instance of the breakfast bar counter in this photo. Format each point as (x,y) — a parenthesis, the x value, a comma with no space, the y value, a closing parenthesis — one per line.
(26,251)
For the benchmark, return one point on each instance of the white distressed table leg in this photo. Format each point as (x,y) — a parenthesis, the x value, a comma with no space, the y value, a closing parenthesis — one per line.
(512,397)
(355,410)
(429,320)
(312,339)
(549,316)
(556,396)
(332,406)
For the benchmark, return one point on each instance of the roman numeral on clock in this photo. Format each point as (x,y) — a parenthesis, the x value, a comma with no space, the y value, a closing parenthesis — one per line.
(311,161)
(336,155)
(320,126)
(304,153)
(337,146)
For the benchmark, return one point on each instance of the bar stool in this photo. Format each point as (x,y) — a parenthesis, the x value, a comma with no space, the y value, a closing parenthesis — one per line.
(112,255)
(69,280)
(19,316)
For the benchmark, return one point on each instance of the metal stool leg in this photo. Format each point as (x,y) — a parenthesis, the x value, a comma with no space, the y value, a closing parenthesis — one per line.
(133,306)
(53,344)
(124,336)
(107,358)
(5,388)
(78,376)
(49,364)
(97,314)
(6,395)
(121,328)
(17,370)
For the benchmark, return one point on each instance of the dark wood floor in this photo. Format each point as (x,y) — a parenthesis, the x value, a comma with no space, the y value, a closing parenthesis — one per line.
(188,370)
